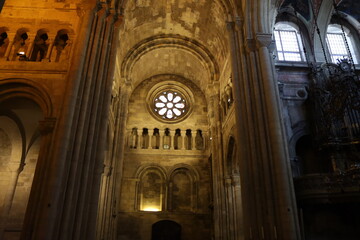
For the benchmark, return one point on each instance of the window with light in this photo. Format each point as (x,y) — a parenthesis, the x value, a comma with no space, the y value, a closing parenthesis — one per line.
(288,43)
(170,105)
(336,40)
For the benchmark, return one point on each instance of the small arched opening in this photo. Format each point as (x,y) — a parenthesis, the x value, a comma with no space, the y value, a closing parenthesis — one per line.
(166,230)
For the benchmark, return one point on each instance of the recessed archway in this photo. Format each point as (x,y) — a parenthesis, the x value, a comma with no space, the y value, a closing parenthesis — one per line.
(166,230)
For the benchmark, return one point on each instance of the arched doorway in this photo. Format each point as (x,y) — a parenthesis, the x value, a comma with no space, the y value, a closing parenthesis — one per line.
(166,230)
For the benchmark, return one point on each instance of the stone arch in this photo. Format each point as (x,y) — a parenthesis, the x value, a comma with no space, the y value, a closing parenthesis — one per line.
(145,167)
(183,188)
(229,7)
(62,45)
(21,44)
(323,19)
(170,41)
(40,46)
(194,173)
(4,40)
(166,230)
(150,188)
(298,22)
(25,88)
(350,26)
(299,131)
(24,115)
(262,16)
(15,128)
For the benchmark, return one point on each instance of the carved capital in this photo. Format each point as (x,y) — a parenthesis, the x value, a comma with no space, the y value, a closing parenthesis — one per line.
(235,180)
(239,21)
(261,40)
(230,26)
(11,36)
(119,20)
(227,182)
(107,170)
(81,9)
(47,126)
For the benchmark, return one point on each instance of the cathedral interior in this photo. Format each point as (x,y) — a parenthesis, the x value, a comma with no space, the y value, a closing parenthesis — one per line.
(179,119)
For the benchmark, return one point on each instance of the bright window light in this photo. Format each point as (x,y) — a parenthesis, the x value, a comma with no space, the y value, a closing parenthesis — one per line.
(337,46)
(288,43)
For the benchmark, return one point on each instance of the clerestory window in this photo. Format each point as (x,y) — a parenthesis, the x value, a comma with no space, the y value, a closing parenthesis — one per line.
(336,42)
(288,43)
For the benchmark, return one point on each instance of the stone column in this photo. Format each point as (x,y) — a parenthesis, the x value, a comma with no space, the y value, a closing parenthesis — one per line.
(109,227)
(31,39)
(183,136)
(161,136)
(219,195)
(11,37)
(38,190)
(15,168)
(193,137)
(172,139)
(238,212)
(139,139)
(230,209)
(150,133)
(268,198)
(49,51)
(67,208)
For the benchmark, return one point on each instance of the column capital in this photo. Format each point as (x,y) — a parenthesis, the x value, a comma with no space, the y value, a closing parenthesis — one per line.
(31,37)
(47,125)
(213,89)
(239,21)
(51,36)
(235,180)
(261,40)
(230,25)
(11,36)
(118,20)
(82,8)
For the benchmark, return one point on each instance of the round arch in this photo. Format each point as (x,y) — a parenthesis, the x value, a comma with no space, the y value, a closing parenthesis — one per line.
(193,173)
(15,88)
(166,230)
(151,166)
(178,42)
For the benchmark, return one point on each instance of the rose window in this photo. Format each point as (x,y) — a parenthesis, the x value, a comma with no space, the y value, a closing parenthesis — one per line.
(170,105)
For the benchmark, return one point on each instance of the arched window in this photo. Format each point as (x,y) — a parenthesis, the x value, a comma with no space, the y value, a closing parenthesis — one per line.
(288,43)
(181,190)
(337,45)
(151,191)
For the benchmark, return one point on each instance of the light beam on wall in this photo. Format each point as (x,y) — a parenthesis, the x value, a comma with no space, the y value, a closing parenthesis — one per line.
(151,209)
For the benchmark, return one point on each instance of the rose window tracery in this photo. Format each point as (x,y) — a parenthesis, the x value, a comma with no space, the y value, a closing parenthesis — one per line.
(170,105)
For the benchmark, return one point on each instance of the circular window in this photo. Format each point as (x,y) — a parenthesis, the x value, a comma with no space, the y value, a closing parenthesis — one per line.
(170,105)
(170,101)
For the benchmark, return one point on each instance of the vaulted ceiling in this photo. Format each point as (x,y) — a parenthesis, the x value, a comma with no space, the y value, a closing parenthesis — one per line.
(303,7)
(182,37)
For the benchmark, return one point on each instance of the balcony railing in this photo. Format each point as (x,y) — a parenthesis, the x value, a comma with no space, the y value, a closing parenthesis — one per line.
(166,139)
(329,187)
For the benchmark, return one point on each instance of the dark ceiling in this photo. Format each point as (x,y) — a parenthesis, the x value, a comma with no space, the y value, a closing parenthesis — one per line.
(303,7)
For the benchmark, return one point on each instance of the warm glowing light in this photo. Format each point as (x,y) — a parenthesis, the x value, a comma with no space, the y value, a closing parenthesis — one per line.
(151,209)
(21,53)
